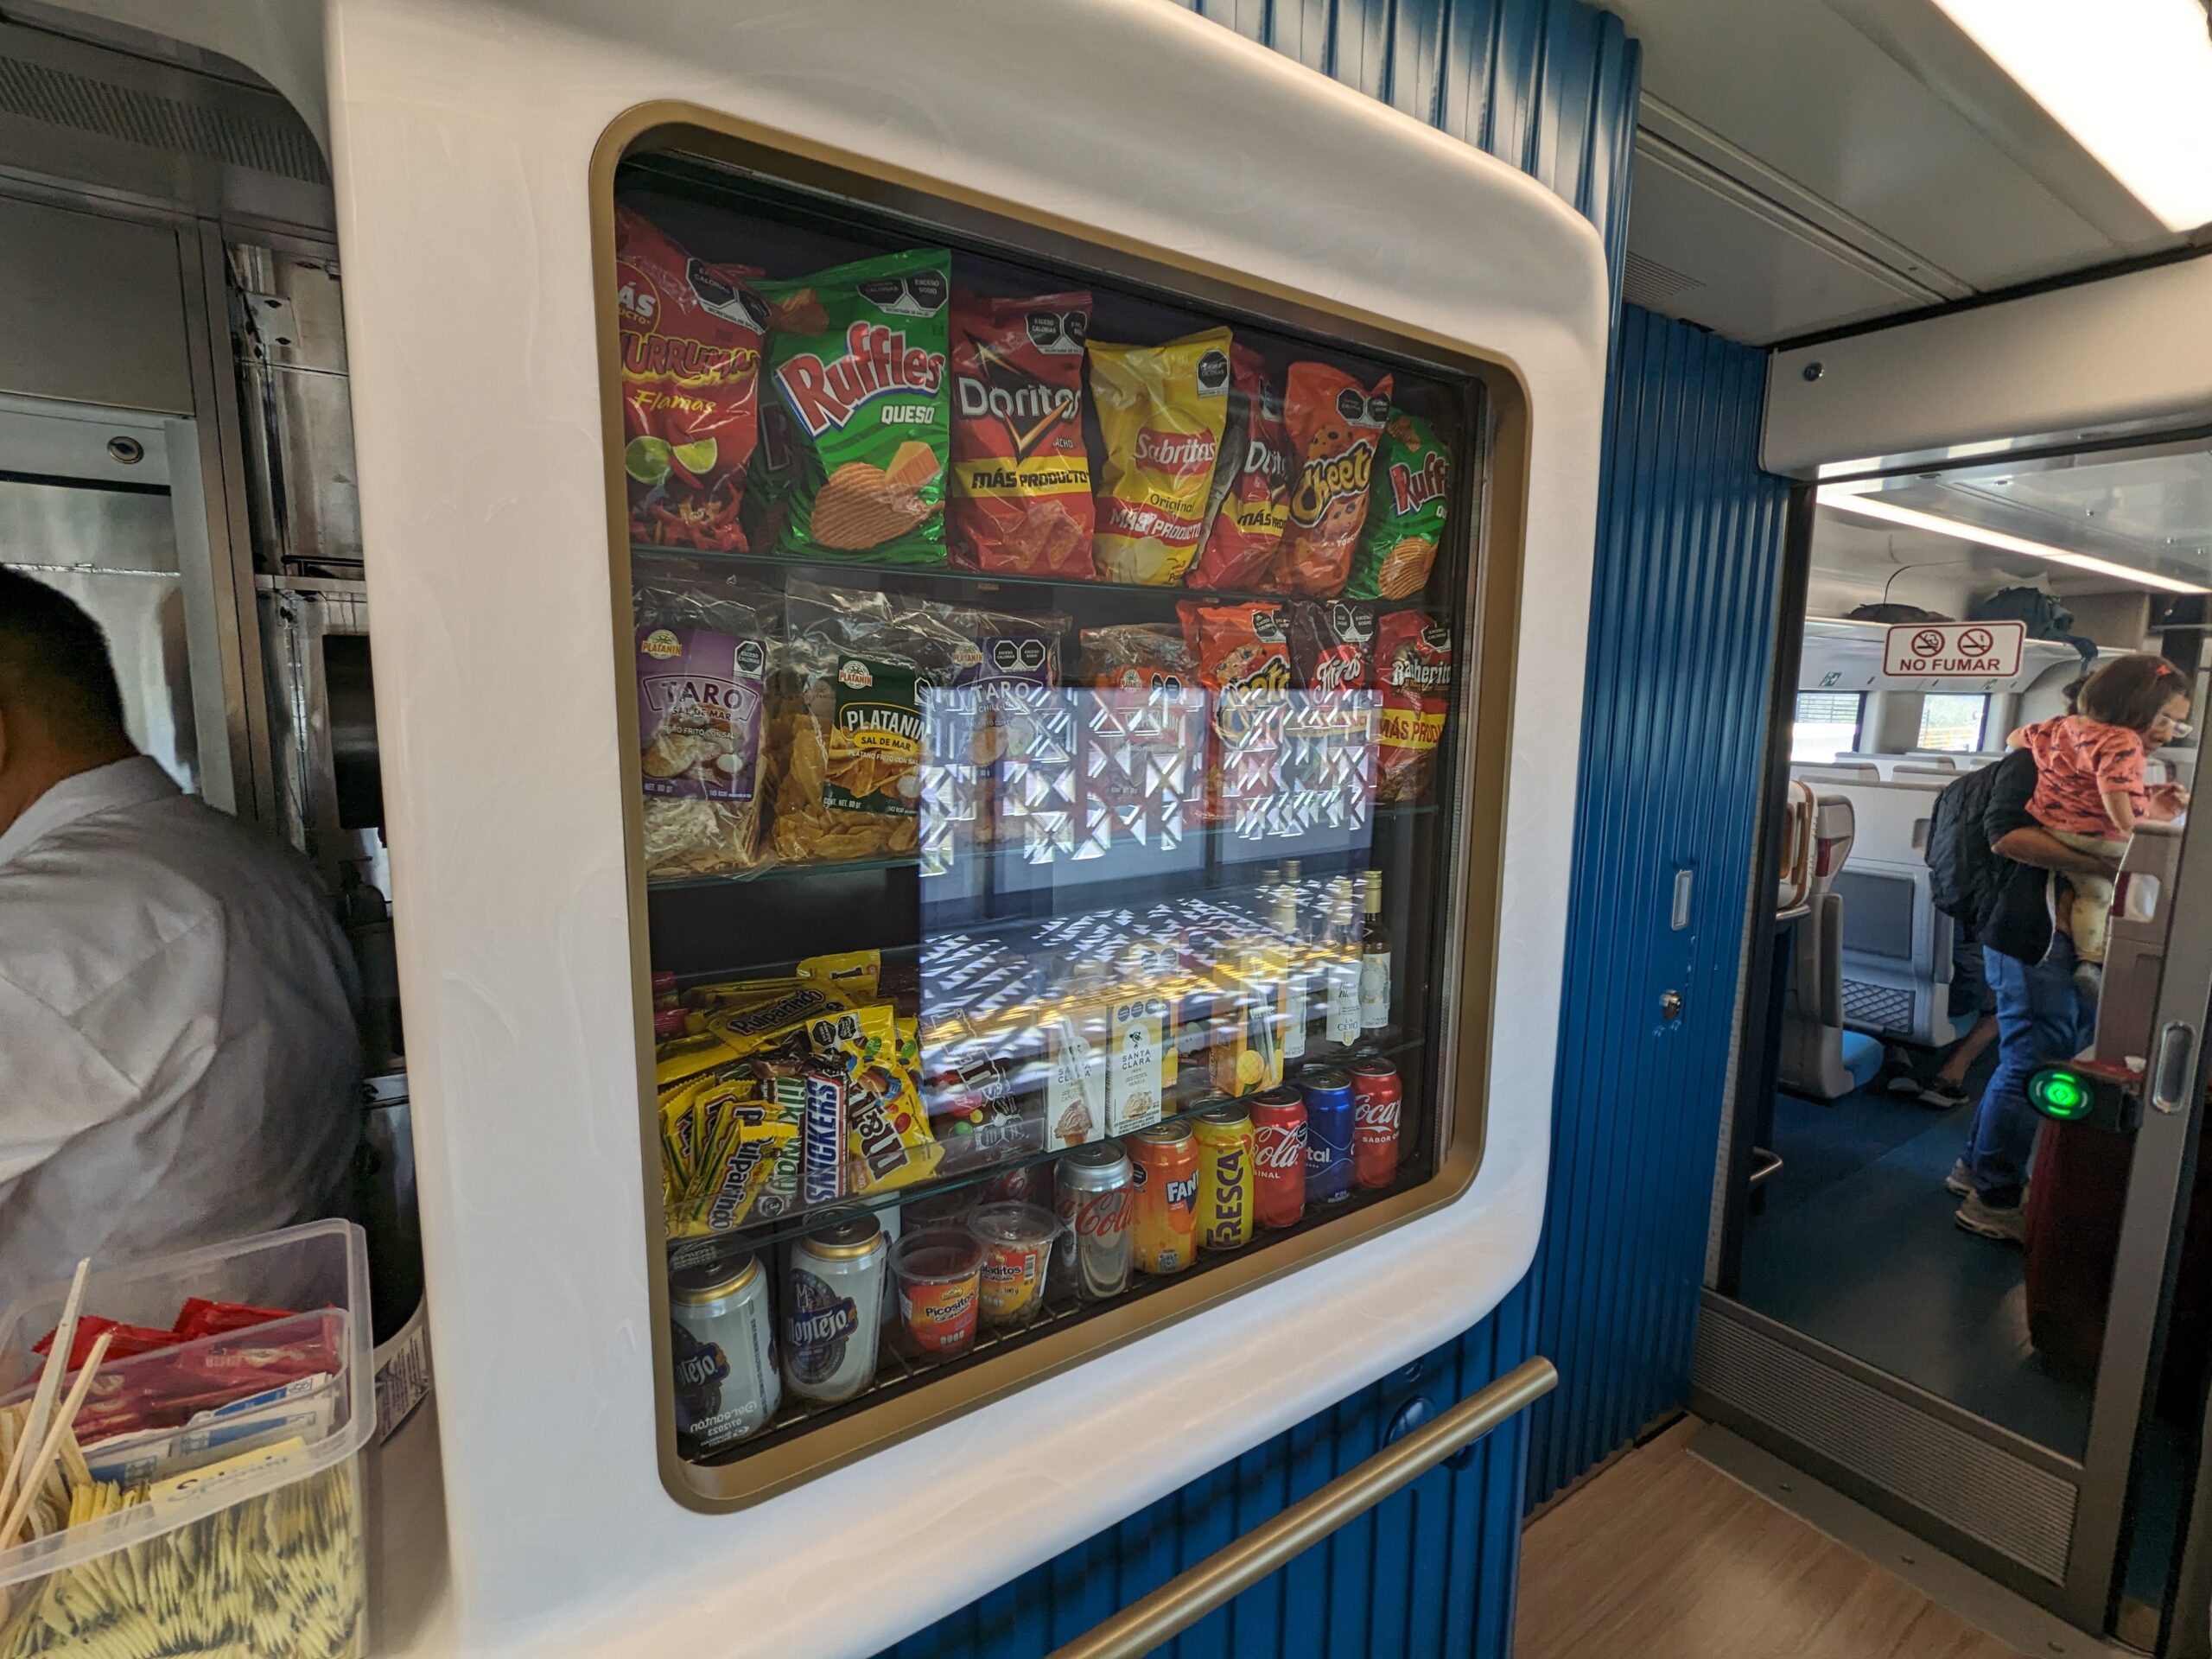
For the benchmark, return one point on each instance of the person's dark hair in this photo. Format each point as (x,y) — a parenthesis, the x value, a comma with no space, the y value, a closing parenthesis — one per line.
(2072,692)
(53,659)
(2132,691)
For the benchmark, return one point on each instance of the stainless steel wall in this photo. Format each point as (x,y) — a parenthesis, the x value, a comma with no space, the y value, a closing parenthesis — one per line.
(1550,85)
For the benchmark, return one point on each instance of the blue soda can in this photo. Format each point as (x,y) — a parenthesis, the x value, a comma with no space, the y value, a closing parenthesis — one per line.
(1328,1135)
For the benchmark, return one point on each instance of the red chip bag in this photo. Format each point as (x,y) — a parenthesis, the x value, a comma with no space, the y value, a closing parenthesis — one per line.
(1334,425)
(1020,496)
(1413,670)
(1332,645)
(1250,501)
(691,338)
(1242,653)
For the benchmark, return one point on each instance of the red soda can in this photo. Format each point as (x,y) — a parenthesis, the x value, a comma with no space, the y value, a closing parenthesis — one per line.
(1375,1094)
(1278,1157)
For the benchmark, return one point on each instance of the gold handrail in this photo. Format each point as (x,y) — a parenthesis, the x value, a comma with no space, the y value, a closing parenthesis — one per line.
(1189,1597)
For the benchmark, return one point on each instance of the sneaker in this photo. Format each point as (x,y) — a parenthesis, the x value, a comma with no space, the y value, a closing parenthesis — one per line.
(1959,1181)
(1941,1097)
(2089,981)
(1988,1221)
(1903,1083)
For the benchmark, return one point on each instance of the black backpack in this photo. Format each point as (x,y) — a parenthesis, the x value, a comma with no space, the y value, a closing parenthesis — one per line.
(1962,871)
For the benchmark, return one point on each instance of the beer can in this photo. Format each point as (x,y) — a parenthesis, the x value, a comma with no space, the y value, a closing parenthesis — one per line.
(1375,1094)
(1279,1158)
(723,1344)
(1328,1135)
(1097,1207)
(1225,1138)
(1164,1175)
(833,1310)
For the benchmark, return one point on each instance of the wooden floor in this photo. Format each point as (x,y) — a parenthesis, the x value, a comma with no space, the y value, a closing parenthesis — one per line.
(1664,1557)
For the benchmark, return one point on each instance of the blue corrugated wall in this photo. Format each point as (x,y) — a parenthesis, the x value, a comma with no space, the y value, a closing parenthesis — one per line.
(1682,638)
(1689,540)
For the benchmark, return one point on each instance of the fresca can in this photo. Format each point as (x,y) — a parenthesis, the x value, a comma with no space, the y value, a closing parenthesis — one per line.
(1328,1135)
(1375,1094)
(1278,1157)
(1097,1209)
(1164,1170)
(1225,1138)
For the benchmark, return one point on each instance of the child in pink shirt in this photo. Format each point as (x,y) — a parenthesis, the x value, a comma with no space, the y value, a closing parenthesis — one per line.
(2089,788)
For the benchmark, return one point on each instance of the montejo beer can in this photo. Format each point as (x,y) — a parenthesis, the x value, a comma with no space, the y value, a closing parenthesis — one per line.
(1164,1175)
(724,1351)
(1225,1138)
(833,1310)
(1328,1135)
(1098,1209)
(1277,1158)
(1376,1095)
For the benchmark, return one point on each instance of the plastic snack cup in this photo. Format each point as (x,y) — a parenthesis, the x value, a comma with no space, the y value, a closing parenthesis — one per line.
(1017,1240)
(938,1272)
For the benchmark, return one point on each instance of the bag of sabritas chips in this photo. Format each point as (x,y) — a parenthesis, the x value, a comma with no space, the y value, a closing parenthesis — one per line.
(856,360)
(1161,410)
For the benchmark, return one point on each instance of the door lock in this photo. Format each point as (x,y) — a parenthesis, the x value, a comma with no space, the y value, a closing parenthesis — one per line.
(1670,1005)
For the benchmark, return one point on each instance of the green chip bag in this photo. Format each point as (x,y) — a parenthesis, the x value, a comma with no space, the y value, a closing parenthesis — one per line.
(1405,513)
(856,358)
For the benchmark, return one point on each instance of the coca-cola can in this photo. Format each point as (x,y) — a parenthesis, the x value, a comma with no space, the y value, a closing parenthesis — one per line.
(1097,1203)
(1278,1157)
(1375,1096)
(1030,1183)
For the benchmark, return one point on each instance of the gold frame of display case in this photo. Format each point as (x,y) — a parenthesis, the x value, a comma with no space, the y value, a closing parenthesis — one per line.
(1488,529)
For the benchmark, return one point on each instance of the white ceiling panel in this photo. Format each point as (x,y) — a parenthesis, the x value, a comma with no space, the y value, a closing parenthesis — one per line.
(1828,161)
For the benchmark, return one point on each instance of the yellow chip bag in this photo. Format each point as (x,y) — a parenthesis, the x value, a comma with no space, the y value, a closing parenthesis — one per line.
(887,1139)
(1161,410)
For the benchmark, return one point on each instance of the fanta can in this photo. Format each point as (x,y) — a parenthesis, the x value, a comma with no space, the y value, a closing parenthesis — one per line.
(1164,1171)
(1225,1138)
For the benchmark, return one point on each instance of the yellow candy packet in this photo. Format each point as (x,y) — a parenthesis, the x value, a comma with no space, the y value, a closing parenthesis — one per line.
(887,1139)
(853,974)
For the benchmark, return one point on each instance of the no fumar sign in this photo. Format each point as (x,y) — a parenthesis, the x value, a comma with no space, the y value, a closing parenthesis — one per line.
(1975,650)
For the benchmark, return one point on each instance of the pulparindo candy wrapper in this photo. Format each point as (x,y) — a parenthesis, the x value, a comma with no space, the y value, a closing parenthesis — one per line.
(1413,670)
(1161,410)
(1020,501)
(1334,424)
(702,663)
(691,338)
(857,361)
(1406,514)
(1249,503)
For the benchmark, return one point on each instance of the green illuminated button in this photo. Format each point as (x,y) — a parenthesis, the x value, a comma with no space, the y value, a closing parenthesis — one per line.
(2058,1093)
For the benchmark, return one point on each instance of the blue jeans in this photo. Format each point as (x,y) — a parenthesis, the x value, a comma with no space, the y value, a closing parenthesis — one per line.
(2040,1018)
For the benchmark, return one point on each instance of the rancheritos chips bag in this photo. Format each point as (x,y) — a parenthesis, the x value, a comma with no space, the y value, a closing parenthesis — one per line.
(1405,516)
(1161,410)
(691,338)
(857,359)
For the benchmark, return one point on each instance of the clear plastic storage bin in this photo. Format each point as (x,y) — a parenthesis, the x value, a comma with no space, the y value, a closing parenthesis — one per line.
(259,1557)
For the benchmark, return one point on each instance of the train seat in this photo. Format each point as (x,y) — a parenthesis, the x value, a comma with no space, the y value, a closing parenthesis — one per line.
(1820,1059)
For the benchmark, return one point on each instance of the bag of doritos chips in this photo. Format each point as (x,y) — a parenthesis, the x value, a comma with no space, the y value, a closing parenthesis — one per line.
(857,359)
(1251,487)
(1334,422)
(1020,472)
(1161,410)
(1405,514)
(691,338)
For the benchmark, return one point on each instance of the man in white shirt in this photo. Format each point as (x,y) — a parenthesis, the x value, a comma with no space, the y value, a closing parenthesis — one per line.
(178,1057)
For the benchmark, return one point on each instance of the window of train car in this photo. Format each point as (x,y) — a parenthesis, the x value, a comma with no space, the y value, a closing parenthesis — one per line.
(1826,725)
(1952,722)
(1055,759)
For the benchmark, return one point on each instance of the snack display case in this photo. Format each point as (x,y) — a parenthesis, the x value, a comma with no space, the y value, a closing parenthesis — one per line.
(1058,685)
(982,855)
